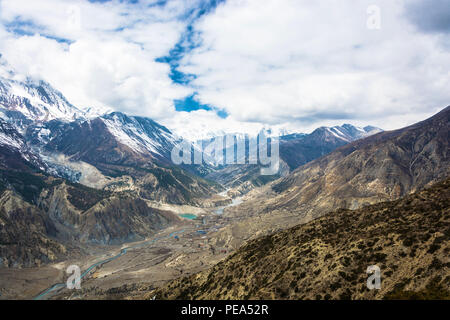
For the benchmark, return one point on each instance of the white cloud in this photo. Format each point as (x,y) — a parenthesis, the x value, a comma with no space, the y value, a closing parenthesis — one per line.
(110,61)
(200,124)
(294,63)
(288,61)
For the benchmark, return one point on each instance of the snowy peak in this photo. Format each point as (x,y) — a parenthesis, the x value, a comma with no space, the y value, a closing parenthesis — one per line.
(112,138)
(142,135)
(204,131)
(37,101)
(348,132)
(372,130)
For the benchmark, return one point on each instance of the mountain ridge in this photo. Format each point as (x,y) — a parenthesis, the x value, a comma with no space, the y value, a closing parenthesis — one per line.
(381,167)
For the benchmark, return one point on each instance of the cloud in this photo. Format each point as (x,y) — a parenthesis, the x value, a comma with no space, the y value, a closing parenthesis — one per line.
(98,54)
(201,124)
(293,63)
(303,61)
(429,16)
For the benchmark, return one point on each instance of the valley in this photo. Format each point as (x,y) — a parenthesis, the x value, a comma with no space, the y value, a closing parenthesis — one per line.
(327,258)
(179,250)
(100,191)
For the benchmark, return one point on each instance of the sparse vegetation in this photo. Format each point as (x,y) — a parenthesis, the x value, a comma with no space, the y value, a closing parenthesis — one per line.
(28,185)
(83,198)
(327,258)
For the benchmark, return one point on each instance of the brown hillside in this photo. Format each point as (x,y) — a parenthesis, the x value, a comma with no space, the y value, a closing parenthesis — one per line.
(409,239)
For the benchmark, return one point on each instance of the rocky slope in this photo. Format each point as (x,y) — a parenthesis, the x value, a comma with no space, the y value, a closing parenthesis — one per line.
(41,215)
(328,257)
(299,151)
(25,234)
(14,151)
(382,167)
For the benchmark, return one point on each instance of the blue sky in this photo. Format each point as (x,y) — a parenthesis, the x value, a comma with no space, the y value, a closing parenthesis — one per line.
(238,64)
(191,103)
(183,47)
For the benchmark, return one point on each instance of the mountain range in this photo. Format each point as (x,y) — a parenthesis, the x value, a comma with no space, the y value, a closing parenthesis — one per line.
(71,178)
(294,150)
(381,167)
(72,168)
(115,151)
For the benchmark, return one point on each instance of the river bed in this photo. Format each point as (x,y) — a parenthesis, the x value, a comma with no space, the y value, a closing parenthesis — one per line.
(234,202)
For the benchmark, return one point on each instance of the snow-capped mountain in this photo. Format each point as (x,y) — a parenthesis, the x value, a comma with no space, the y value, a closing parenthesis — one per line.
(295,150)
(44,116)
(24,100)
(348,132)
(46,121)
(142,135)
(40,128)
(337,135)
(41,113)
(110,138)
(35,100)
(202,130)
(298,149)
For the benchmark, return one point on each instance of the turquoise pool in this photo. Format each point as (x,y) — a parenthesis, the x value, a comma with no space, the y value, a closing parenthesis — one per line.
(188,216)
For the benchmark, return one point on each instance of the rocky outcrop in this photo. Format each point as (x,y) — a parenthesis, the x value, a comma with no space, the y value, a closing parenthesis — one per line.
(26,234)
(122,219)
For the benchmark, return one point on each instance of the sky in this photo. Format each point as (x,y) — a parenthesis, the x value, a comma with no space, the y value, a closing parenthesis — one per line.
(202,66)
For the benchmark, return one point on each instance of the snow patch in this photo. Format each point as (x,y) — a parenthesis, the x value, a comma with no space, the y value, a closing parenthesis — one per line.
(10,141)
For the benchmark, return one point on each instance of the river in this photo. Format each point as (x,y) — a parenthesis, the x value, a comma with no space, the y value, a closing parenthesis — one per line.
(101,263)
